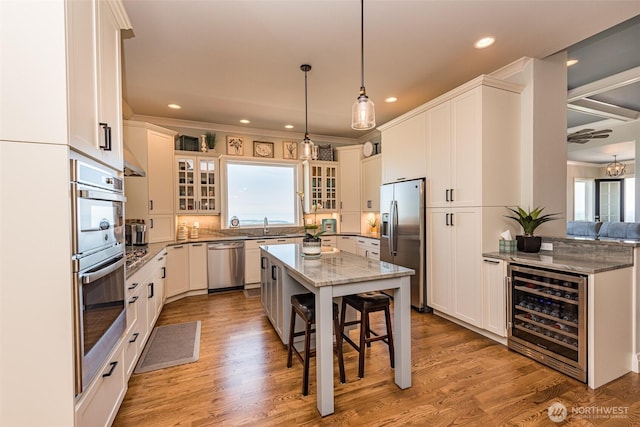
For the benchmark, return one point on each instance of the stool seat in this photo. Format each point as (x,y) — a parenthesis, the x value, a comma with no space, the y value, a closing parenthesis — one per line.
(367,303)
(304,305)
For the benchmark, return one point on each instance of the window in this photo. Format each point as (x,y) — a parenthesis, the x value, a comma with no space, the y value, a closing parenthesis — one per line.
(256,190)
(630,199)
(583,200)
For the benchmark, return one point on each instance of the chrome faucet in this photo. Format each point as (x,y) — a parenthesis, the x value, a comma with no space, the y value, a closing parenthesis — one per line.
(266,226)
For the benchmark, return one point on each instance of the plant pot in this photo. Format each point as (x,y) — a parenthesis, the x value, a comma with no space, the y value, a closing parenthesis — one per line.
(311,247)
(529,244)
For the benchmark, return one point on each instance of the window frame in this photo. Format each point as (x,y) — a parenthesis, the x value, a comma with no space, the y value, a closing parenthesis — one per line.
(298,184)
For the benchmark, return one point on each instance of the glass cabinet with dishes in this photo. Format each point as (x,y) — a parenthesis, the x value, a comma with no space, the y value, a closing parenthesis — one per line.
(196,185)
(324,185)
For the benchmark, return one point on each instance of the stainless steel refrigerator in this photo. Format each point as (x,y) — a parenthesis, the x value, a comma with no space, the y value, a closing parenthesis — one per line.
(402,233)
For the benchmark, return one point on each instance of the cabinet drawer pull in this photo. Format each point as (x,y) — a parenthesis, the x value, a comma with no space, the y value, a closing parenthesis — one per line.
(273,272)
(164,273)
(150,222)
(161,258)
(133,286)
(451,194)
(151,290)
(178,247)
(135,337)
(263,264)
(133,300)
(451,219)
(113,367)
(446,219)
(491,261)
(150,205)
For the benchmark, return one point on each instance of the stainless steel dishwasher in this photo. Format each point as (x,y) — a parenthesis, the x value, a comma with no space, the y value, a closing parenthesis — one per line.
(225,265)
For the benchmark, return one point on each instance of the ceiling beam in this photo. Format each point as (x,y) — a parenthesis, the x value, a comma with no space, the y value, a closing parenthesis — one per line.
(603,109)
(606,84)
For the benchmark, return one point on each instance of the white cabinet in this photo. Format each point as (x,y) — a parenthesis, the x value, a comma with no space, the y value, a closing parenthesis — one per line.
(100,401)
(349,184)
(157,295)
(328,241)
(324,184)
(454,263)
(276,290)
(95,106)
(196,184)
(151,197)
(472,154)
(368,248)
(404,148)
(252,261)
(371,180)
(177,273)
(137,321)
(198,266)
(346,243)
(494,274)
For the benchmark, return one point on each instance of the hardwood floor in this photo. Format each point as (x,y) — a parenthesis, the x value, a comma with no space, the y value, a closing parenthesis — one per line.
(459,378)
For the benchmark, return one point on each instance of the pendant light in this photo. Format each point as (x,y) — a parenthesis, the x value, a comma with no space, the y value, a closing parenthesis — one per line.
(306,146)
(363,115)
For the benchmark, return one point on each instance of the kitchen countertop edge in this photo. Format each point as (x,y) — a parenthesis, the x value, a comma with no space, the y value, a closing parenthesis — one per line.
(546,259)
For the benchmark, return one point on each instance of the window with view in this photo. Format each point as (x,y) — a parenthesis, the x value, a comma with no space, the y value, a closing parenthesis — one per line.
(256,190)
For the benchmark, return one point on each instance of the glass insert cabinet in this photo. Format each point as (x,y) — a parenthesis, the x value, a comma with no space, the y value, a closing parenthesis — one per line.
(196,186)
(324,184)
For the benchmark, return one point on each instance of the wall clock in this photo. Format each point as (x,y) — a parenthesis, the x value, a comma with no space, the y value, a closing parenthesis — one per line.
(367,149)
(262,149)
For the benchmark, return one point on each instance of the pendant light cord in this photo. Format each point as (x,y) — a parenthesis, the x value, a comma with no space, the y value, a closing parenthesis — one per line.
(305,68)
(306,117)
(362,45)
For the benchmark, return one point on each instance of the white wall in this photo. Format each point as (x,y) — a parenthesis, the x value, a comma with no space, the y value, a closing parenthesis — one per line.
(543,155)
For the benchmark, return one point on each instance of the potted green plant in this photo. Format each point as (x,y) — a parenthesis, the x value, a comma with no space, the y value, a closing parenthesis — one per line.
(210,139)
(529,221)
(311,242)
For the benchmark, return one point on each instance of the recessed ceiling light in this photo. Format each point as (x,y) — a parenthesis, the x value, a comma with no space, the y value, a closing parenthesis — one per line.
(245,121)
(484,42)
(288,126)
(391,99)
(174,106)
(572,62)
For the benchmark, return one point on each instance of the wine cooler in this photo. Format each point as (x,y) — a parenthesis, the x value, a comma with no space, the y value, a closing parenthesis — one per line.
(547,318)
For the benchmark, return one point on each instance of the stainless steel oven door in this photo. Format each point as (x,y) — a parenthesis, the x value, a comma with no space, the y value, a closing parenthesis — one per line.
(98,218)
(100,318)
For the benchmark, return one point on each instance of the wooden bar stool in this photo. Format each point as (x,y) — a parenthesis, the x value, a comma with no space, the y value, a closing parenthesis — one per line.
(304,305)
(367,303)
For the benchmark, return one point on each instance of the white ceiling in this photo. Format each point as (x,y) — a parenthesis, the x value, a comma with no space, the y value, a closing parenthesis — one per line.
(225,60)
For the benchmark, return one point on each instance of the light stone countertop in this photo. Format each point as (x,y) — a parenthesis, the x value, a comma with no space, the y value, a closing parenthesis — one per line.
(579,264)
(333,267)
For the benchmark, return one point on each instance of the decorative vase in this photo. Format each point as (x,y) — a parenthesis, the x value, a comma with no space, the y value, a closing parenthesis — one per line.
(529,244)
(311,247)
(203,144)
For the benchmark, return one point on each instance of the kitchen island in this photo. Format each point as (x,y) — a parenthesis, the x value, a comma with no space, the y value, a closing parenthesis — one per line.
(335,274)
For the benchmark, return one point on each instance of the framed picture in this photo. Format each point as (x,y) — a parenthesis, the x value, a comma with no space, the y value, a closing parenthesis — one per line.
(235,145)
(263,149)
(329,225)
(290,150)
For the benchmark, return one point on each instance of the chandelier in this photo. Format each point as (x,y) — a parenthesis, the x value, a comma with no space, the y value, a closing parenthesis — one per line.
(615,169)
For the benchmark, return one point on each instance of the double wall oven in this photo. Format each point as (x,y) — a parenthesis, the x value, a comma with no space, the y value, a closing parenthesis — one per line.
(98,260)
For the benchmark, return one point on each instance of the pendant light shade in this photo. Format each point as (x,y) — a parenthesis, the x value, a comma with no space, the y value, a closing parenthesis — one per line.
(306,146)
(363,115)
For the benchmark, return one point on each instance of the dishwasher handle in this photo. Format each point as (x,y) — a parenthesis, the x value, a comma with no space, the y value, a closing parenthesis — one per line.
(225,245)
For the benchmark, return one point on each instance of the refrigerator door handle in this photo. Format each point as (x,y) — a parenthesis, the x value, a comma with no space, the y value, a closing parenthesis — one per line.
(393,237)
